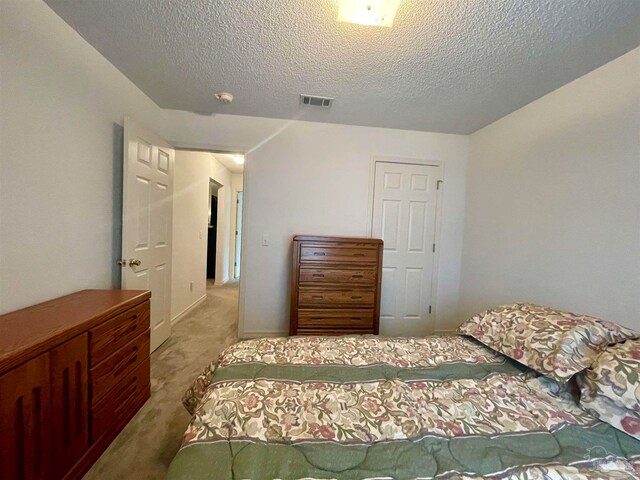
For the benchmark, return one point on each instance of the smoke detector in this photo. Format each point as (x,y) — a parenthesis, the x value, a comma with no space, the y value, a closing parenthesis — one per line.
(224,97)
(315,101)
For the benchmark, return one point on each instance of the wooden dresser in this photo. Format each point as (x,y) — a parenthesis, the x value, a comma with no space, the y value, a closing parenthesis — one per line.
(73,371)
(335,287)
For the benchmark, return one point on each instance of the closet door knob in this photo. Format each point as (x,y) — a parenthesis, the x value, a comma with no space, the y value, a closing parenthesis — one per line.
(134,263)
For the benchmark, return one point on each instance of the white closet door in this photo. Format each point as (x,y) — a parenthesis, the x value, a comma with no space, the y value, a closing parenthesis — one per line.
(404,216)
(147,222)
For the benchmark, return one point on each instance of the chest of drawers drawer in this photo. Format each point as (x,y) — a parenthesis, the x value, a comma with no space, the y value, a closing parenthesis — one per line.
(123,400)
(310,296)
(335,318)
(117,332)
(314,254)
(115,367)
(360,276)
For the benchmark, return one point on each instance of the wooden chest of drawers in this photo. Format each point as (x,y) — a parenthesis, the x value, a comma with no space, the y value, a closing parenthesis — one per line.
(335,286)
(73,371)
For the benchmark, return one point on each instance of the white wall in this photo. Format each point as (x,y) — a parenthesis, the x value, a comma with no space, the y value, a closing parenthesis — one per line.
(553,201)
(190,215)
(313,178)
(61,111)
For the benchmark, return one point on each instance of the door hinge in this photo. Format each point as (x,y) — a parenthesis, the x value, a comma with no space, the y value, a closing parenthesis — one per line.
(438,184)
(434,248)
(235,264)
(429,309)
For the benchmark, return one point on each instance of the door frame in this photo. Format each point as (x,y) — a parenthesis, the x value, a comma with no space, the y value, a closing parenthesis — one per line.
(234,229)
(219,251)
(243,250)
(438,227)
(242,294)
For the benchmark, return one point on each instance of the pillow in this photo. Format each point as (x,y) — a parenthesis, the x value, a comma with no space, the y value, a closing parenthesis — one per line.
(611,387)
(555,343)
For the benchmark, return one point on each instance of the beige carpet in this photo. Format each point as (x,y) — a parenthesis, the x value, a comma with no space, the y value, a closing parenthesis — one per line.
(144,449)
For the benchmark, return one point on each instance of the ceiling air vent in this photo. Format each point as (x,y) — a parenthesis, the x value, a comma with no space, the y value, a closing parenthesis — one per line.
(315,101)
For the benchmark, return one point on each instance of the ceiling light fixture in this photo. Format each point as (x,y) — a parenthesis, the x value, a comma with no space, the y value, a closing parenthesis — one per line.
(224,97)
(239,159)
(378,13)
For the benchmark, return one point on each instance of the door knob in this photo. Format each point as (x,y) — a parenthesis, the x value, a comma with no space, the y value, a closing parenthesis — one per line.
(121,262)
(134,263)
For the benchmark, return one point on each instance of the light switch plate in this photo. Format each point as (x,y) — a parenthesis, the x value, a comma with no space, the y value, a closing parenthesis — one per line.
(265,240)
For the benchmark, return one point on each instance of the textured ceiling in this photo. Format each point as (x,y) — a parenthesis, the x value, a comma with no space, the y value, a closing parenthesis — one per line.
(445,66)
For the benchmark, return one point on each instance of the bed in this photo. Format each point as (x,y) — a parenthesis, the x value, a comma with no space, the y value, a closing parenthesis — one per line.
(368,407)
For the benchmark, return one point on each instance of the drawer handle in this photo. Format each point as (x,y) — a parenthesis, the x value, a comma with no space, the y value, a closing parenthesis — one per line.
(357,276)
(129,387)
(126,394)
(358,254)
(318,275)
(121,368)
(319,254)
(127,331)
(317,296)
(355,297)
(355,318)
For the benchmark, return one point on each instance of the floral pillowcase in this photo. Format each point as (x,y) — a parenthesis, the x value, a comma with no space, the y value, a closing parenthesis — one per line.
(555,343)
(611,387)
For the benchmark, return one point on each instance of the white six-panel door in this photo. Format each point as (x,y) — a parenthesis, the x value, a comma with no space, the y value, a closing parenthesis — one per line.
(147,222)
(404,216)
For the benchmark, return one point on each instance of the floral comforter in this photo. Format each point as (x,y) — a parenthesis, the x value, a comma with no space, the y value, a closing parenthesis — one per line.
(400,408)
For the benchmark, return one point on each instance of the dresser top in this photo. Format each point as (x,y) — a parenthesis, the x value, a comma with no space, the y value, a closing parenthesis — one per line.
(28,332)
(318,238)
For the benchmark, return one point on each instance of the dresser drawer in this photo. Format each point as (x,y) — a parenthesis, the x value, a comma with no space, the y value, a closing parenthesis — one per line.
(335,275)
(122,401)
(116,333)
(327,298)
(330,254)
(108,372)
(331,318)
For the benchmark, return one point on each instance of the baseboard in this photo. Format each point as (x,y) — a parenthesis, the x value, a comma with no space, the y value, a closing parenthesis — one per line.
(282,333)
(188,310)
(446,333)
(263,333)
